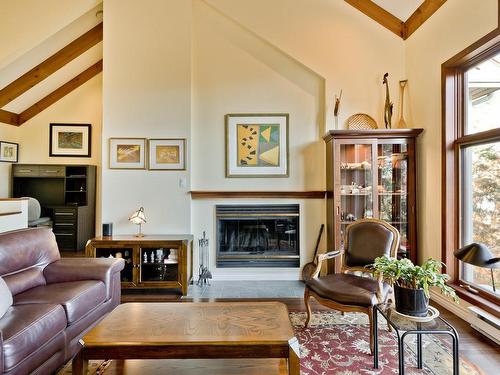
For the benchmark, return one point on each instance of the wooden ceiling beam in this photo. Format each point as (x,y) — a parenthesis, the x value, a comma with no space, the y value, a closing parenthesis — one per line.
(379,14)
(60,92)
(422,14)
(394,24)
(51,65)
(10,118)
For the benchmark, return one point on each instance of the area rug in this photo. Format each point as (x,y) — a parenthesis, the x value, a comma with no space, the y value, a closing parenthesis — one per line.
(339,344)
(336,344)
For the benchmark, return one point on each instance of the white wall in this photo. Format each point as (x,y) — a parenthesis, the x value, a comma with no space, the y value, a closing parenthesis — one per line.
(146,93)
(455,26)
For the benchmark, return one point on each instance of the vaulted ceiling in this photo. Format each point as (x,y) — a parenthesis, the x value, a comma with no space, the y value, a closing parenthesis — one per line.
(402,17)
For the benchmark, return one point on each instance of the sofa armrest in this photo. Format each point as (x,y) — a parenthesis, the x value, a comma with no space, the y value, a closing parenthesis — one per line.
(1,350)
(78,269)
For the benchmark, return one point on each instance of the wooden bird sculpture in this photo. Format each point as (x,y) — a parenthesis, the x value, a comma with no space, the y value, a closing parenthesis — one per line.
(388,104)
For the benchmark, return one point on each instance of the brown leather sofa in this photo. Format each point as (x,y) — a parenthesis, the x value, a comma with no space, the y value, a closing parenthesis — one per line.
(55,301)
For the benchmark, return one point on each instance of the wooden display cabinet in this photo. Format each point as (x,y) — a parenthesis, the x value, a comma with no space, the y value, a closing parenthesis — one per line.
(152,261)
(372,173)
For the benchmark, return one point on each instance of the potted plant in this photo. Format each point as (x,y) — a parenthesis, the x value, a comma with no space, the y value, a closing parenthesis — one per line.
(411,283)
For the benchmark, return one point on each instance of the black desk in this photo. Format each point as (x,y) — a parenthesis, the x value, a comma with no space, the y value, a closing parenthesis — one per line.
(404,327)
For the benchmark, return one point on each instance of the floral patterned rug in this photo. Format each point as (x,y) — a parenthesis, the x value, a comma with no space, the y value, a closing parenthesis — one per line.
(339,344)
(336,344)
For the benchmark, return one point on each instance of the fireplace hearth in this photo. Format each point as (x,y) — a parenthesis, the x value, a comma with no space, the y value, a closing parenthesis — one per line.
(258,236)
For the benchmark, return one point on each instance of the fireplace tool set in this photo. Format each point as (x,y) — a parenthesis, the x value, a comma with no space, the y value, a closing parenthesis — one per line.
(203,273)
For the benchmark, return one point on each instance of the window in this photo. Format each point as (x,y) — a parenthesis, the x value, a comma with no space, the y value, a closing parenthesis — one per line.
(471,166)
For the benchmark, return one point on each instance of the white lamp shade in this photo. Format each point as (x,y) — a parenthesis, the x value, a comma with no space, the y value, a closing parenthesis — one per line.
(138,217)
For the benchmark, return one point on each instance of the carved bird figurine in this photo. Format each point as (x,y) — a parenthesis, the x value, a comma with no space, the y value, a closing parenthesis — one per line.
(388,104)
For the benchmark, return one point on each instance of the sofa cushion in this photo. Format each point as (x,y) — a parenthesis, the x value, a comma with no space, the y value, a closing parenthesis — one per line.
(77,297)
(24,254)
(25,328)
(5,297)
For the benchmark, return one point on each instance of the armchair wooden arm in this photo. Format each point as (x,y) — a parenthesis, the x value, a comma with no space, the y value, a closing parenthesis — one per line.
(325,256)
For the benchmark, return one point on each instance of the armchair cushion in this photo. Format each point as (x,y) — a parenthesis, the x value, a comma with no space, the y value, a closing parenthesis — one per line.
(349,289)
(25,328)
(80,269)
(77,297)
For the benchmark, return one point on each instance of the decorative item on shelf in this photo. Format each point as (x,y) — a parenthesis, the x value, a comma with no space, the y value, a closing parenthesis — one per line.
(118,255)
(388,104)
(411,283)
(127,153)
(72,140)
(479,255)
(402,122)
(336,109)
(257,145)
(350,217)
(107,229)
(361,121)
(144,257)
(167,154)
(354,188)
(138,218)
(203,257)
(368,213)
(152,257)
(9,152)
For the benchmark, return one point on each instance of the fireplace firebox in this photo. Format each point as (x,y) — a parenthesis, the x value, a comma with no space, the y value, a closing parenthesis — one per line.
(258,236)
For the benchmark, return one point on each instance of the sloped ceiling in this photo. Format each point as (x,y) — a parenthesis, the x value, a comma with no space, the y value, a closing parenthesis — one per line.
(52,42)
(402,9)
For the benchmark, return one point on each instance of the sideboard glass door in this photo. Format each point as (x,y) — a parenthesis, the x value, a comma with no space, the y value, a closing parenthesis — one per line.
(392,190)
(354,185)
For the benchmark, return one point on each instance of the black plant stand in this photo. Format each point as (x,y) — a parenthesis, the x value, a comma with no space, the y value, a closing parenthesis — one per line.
(404,327)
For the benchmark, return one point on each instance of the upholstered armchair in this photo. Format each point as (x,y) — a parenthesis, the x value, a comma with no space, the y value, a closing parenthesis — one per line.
(354,288)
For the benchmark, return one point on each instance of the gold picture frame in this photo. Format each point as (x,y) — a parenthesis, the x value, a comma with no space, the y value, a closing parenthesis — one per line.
(167,154)
(127,153)
(257,145)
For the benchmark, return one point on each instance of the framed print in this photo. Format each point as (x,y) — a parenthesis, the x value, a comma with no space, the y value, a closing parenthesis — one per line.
(257,145)
(70,140)
(127,153)
(167,154)
(9,152)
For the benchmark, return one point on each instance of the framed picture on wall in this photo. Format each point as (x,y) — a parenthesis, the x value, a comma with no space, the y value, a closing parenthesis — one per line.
(70,140)
(127,153)
(9,152)
(167,154)
(257,145)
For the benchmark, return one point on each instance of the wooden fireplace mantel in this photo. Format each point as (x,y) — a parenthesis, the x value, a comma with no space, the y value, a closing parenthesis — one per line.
(211,194)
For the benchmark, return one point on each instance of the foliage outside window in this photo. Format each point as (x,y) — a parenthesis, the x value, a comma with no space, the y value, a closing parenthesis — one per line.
(479,192)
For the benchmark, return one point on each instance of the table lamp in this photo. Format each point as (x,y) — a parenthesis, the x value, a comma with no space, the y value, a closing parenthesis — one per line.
(478,254)
(138,218)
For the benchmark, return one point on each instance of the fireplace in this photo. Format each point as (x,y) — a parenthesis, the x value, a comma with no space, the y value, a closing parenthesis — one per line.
(258,236)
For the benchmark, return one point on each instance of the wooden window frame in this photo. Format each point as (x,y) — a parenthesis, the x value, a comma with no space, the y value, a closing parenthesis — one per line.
(453,119)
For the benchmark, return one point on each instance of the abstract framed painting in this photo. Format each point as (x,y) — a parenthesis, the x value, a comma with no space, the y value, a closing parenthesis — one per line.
(127,153)
(257,145)
(9,152)
(167,154)
(70,140)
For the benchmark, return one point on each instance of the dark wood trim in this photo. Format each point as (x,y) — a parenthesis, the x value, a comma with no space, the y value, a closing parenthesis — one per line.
(10,213)
(422,14)
(60,92)
(13,199)
(379,133)
(198,194)
(51,65)
(487,304)
(10,118)
(453,109)
(380,15)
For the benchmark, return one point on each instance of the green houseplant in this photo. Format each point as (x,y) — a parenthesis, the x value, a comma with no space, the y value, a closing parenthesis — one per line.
(411,282)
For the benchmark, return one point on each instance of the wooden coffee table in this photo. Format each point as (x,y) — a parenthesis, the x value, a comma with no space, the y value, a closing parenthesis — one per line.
(192,330)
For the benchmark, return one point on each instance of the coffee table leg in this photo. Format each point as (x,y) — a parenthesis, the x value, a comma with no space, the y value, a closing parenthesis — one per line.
(293,357)
(80,364)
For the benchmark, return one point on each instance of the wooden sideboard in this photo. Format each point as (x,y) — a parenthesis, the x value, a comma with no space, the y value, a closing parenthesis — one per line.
(152,261)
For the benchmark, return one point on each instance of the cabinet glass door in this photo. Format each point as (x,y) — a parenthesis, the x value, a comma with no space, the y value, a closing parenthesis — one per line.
(392,190)
(355,185)
(158,265)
